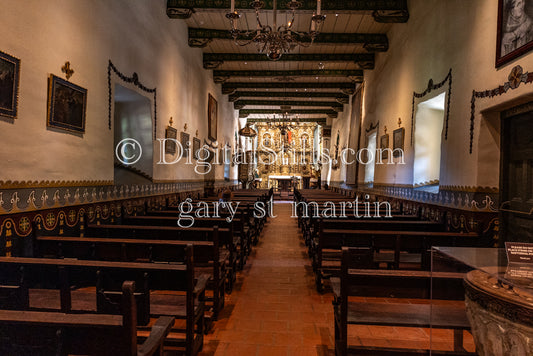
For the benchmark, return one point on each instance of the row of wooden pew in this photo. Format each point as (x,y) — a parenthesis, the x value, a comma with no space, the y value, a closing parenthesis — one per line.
(116,279)
(385,256)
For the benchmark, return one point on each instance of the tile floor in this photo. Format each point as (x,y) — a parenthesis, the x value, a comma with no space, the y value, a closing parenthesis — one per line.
(275,309)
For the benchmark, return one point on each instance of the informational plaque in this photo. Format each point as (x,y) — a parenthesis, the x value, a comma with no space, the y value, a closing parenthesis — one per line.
(519,252)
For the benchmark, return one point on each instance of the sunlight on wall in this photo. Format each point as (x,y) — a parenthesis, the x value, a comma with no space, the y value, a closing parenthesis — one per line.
(369,168)
(429,122)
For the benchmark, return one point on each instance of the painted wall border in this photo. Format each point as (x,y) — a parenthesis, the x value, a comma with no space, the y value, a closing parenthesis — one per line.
(515,79)
(428,90)
(134,79)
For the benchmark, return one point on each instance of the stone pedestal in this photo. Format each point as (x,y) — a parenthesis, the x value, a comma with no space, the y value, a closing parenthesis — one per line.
(501,316)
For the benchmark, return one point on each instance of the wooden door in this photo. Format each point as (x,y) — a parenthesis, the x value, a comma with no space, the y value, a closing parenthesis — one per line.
(516,179)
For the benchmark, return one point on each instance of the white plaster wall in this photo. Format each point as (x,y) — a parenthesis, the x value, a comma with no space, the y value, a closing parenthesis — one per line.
(137,36)
(443,34)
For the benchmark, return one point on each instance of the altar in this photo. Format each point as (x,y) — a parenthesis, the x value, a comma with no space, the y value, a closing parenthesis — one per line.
(284,182)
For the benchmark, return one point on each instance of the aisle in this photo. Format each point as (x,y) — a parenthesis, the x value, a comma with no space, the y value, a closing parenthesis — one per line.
(274,308)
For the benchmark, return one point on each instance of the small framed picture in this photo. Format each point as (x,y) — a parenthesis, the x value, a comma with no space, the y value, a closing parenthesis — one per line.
(170,146)
(196,147)
(67,103)
(9,85)
(212,118)
(515,30)
(384,144)
(184,139)
(398,136)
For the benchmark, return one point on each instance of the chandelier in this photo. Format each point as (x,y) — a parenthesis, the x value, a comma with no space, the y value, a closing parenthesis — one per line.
(273,40)
(284,123)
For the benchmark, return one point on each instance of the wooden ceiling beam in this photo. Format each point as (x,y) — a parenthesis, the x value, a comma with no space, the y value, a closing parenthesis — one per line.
(364,60)
(339,97)
(372,42)
(318,120)
(240,104)
(330,113)
(382,10)
(347,88)
(221,76)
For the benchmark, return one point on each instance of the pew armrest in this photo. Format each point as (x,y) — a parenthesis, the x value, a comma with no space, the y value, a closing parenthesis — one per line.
(201,284)
(336,286)
(159,332)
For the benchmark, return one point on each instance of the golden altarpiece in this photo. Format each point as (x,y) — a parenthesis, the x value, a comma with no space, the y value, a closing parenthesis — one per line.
(287,155)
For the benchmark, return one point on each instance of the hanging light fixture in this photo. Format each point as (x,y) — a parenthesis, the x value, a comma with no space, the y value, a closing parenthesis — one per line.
(247,131)
(284,123)
(273,40)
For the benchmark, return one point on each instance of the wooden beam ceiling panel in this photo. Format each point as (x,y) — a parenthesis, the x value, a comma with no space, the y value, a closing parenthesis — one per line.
(230,88)
(339,97)
(388,11)
(318,120)
(372,42)
(221,76)
(330,113)
(240,104)
(364,60)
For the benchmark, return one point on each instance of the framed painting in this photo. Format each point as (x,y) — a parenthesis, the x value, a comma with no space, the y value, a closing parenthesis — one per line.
(184,139)
(9,85)
(212,118)
(67,103)
(398,137)
(515,30)
(170,146)
(384,144)
(196,147)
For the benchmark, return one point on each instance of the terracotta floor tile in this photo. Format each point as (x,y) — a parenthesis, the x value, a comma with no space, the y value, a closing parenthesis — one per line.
(272,351)
(288,339)
(236,348)
(278,325)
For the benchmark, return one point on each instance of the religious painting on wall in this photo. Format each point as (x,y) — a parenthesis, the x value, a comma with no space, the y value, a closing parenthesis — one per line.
(515,29)
(170,145)
(212,119)
(196,147)
(384,144)
(9,84)
(398,140)
(67,103)
(184,139)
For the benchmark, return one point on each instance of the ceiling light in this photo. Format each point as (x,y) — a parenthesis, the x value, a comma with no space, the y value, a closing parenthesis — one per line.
(275,40)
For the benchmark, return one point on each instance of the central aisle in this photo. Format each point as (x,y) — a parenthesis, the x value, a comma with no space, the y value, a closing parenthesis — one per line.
(274,308)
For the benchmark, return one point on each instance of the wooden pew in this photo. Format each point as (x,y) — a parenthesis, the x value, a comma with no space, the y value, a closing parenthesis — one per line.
(185,301)
(207,256)
(49,333)
(225,237)
(241,238)
(389,247)
(416,285)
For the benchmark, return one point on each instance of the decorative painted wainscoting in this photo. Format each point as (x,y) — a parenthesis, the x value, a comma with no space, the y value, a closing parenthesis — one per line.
(462,210)
(65,210)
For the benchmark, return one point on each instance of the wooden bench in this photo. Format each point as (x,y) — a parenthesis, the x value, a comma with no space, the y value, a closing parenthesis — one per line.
(225,237)
(387,247)
(31,277)
(207,256)
(241,235)
(49,333)
(414,285)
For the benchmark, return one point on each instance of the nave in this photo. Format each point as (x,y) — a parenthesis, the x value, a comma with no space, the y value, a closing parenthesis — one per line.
(275,308)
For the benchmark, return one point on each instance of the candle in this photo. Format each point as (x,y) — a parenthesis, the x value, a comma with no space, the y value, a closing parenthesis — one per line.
(317,7)
(232,6)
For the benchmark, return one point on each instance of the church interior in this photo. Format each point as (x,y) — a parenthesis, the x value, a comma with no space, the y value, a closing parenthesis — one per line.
(267,177)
